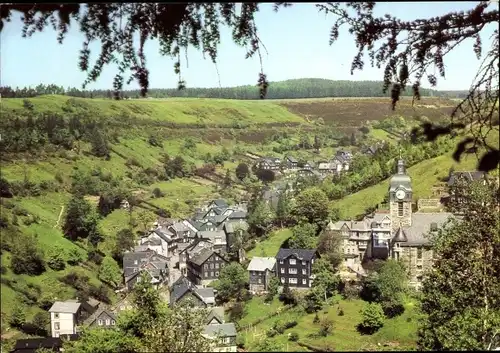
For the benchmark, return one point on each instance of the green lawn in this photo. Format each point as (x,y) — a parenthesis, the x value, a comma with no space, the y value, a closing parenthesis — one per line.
(398,333)
(270,246)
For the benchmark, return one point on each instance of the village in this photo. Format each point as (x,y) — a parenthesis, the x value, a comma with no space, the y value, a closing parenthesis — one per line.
(183,257)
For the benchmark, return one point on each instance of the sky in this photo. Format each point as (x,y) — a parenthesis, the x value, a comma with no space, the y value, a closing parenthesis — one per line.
(297,45)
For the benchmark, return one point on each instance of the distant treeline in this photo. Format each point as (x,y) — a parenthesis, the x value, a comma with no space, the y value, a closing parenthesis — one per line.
(289,89)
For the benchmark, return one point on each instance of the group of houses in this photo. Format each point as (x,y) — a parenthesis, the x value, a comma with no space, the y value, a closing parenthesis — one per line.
(397,233)
(336,165)
(181,258)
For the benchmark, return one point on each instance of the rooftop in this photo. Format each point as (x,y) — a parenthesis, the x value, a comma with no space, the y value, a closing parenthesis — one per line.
(261,264)
(68,307)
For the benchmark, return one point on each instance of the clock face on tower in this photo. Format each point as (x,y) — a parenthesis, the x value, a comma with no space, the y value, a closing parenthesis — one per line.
(400,194)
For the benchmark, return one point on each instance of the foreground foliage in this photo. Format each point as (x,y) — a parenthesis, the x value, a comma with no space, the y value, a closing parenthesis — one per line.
(461,294)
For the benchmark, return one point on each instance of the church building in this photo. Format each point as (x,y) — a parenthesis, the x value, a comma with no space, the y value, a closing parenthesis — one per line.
(399,234)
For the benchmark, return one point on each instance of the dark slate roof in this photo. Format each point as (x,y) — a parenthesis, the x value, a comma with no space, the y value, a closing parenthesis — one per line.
(302,254)
(212,235)
(152,242)
(421,226)
(311,164)
(154,262)
(400,236)
(221,330)
(33,344)
(467,175)
(292,159)
(220,203)
(238,215)
(164,234)
(92,318)
(184,285)
(202,256)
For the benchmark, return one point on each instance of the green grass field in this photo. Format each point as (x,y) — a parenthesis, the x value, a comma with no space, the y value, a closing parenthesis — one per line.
(397,333)
(175,110)
(270,246)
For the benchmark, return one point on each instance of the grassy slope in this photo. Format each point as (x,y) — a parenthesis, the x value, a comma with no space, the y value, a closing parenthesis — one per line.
(399,332)
(271,245)
(175,110)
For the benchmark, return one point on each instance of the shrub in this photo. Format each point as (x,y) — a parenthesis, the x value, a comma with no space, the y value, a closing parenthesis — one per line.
(41,322)
(350,292)
(75,257)
(326,327)
(271,332)
(290,324)
(56,258)
(157,193)
(340,312)
(132,162)
(392,308)
(95,257)
(18,316)
(316,319)
(294,337)
(27,257)
(373,318)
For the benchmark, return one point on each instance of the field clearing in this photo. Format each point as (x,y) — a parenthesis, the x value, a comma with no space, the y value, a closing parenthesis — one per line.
(344,112)
(270,246)
(183,111)
(399,332)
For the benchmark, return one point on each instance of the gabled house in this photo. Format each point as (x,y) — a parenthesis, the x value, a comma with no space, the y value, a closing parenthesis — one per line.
(291,162)
(215,316)
(223,336)
(261,270)
(66,316)
(327,167)
(220,203)
(270,163)
(205,266)
(343,160)
(309,165)
(191,250)
(160,240)
(184,289)
(468,176)
(102,318)
(217,238)
(294,267)
(135,263)
(180,230)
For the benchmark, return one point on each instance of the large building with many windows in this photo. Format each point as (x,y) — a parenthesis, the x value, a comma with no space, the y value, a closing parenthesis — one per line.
(398,233)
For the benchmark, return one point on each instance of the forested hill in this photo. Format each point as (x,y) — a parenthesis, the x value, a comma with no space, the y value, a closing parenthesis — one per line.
(289,89)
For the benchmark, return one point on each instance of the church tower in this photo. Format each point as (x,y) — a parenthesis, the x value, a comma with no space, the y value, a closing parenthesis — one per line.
(400,197)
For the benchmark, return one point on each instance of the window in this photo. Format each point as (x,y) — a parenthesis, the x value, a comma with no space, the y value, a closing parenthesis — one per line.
(107,322)
(419,253)
(216,273)
(211,273)
(303,263)
(282,270)
(292,271)
(293,262)
(211,266)
(205,266)
(292,280)
(113,322)
(56,316)
(281,262)
(312,261)
(217,265)
(400,209)
(304,281)
(259,280)
(419,267)
(304,271)
(56,334)
(99,322)
(206,274)
(282,279)
(57,326)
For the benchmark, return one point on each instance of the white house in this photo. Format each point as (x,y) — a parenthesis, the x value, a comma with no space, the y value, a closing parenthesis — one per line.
(64,318)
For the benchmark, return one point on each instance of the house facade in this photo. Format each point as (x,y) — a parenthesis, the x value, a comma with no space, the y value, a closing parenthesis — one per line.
(205,266)
(183,289)
(155,265)
(223,336)
(65,317)
(294,267)
(291,162)
(102,318)
(260,271)
(269,163)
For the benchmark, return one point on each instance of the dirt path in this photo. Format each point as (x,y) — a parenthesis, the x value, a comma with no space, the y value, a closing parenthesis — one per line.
(59,218)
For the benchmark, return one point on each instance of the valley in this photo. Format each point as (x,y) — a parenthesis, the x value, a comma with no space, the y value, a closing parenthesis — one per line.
(212,137)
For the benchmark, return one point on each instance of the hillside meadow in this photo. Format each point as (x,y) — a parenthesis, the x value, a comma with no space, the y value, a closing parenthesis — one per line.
(212,125)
